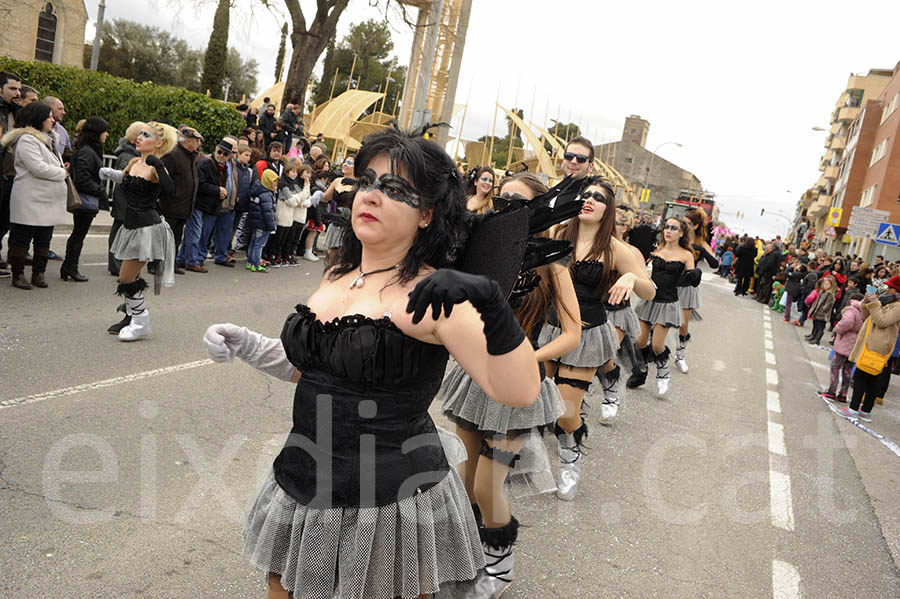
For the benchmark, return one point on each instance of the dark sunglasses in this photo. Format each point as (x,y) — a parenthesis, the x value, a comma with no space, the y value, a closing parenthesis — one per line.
(595,195)
(394,187)
(570,156)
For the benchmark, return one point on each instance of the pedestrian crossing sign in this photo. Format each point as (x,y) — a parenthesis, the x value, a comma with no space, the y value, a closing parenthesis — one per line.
(834,216)
(888,234)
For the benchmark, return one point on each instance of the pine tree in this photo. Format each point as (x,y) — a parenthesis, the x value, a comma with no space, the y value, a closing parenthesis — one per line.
(279,61)
(217,51)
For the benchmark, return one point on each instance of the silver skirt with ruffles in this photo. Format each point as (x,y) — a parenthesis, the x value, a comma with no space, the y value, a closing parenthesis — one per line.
(402,549)
(146,244)
(667,314)
(625,320)
(334,236)
(462,398)
(598,345)
(689,297)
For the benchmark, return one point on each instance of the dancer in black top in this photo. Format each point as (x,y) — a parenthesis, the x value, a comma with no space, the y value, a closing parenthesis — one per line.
(494,434)
(672,262)
(689,294)
(145,236)
(361,502)
(598,253)
(341,192)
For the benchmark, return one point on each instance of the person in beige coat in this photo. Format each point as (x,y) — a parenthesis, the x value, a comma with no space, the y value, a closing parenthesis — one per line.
(38,200)
(885,319)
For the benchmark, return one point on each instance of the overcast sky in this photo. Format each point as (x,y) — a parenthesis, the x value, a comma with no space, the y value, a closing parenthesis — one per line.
(739,85)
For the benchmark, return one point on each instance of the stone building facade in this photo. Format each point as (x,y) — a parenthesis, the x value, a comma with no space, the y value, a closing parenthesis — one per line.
(644,169)
(48,30)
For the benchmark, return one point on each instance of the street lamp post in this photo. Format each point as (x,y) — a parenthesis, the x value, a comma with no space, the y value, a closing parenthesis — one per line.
(652,156)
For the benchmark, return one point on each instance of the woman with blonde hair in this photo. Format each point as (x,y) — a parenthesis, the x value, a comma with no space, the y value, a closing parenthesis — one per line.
(145,236)
(124,152)
(480,190)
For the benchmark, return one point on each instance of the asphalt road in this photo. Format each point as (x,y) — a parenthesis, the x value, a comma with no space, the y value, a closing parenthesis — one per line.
(124,468)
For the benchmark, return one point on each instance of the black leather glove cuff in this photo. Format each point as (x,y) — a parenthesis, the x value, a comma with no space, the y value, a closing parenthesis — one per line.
(501,329)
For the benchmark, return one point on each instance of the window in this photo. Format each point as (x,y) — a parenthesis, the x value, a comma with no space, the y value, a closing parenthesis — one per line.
(879,152)
(629,160)
(46,34)
(633,131)
(891,107)
(868,196)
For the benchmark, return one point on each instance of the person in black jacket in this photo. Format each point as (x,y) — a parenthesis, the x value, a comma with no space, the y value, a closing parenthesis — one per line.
(267,121)
(767,269)
(181,163)
(124,153)
(577,164)
(644,236)
(216,198)
(793,285)
(743,269)
(86,164)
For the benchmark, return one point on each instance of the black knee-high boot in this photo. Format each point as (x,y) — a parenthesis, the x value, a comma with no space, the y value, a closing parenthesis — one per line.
(639,375)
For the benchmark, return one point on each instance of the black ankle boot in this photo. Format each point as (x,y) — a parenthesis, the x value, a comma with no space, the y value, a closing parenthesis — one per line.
(68,271)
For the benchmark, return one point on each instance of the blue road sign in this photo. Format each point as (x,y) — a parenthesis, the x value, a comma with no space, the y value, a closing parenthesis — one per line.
(888,234)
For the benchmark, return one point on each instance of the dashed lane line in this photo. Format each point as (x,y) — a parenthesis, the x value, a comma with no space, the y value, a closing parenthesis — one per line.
(785,580)
(130,378)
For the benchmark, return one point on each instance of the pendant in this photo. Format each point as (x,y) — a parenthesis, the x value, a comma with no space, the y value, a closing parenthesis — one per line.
(357,282)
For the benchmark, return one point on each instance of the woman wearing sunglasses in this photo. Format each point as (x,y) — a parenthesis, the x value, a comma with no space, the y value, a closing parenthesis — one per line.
(493,433)
(481,190)
(340,192)
(145,236)
(597,256)
(361,501)
(672,264)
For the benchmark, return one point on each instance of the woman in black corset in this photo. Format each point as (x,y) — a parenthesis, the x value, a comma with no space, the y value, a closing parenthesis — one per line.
(689,294)
(341,192)
(361,501)
(598,253)
(672,266)
(145,236)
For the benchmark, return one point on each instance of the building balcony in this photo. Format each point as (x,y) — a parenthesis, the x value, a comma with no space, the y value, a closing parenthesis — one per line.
(836,129)
(848,114)
(832,172)
(819,207)
(837,143)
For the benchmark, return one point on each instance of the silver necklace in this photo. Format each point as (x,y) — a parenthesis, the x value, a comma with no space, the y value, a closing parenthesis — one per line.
(359,281)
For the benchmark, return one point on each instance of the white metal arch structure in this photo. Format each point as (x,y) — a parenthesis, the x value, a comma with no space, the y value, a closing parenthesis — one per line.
(335,119)
(545,165)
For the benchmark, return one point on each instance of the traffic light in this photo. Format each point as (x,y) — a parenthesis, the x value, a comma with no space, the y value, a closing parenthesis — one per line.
(762,212)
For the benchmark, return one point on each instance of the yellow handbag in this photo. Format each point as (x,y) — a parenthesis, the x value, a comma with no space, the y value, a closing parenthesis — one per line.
(869,361)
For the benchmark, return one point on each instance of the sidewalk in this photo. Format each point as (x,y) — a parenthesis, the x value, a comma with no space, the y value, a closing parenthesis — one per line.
(102,224)
(872,458)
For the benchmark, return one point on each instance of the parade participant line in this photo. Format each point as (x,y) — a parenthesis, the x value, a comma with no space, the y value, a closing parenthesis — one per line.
(893,447)
(130,378)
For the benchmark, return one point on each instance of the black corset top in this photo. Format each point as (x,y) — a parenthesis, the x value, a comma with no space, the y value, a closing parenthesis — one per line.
(586,277)
(361,435)
(141,195)
(665,275)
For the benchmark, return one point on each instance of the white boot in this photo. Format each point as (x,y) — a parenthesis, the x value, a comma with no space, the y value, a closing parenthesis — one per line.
(497,576)
(138,329)
(662,371)
(610,407)
(570,462)
(680,353)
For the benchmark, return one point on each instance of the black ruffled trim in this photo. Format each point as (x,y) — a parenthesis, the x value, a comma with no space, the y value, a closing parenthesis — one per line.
(129,289)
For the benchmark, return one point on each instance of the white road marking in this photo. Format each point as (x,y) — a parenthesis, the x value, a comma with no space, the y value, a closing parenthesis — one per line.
(785,580)
(767,334)
(769,345)
(771,376)
(89,236)
(770,358)
(776,439)
(20,401)
(773,402)
(767,325)
(780,503)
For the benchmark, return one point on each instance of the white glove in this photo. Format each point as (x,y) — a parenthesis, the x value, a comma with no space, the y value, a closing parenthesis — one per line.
(111,174)
(225,342)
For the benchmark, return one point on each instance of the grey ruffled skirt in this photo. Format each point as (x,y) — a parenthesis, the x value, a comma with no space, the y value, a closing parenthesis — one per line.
(689,297)
(668,314)
(147,244)
(402,549)
(598,345)
(334,236)
(463,399)
(625,320)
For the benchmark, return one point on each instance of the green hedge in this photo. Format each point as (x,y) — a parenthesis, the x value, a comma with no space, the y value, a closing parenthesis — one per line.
(122,101)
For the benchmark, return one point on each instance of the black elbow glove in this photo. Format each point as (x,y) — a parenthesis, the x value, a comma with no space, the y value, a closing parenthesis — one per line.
(445,288)
(690,278)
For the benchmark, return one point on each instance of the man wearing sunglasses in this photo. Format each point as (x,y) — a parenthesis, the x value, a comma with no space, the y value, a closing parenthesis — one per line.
(216,198)
(578,163)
